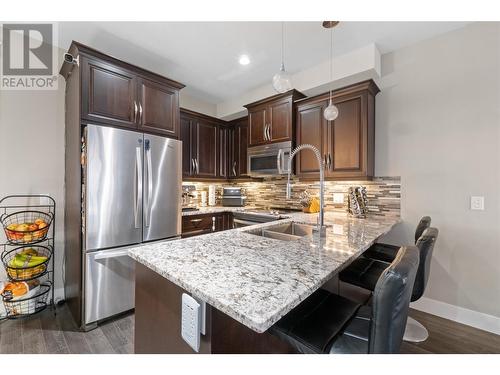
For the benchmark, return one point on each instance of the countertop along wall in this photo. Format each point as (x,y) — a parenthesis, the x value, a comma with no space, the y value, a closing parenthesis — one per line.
(438,127)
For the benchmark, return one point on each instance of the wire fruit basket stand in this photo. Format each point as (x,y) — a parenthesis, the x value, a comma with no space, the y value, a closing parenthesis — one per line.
(28,254)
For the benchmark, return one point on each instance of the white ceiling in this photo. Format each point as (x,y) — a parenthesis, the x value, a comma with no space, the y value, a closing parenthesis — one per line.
(204,55)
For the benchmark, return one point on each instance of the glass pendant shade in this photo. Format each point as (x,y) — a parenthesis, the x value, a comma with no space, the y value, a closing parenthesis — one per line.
(331,112)
(282,81)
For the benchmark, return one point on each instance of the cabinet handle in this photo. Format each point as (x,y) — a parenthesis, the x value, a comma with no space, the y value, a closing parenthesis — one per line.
(213,223)
(234,168)
(140,112)
(265,132)
(196,220)
(268,132)
(193,167)
(197,166)
(135,111)
(329,161)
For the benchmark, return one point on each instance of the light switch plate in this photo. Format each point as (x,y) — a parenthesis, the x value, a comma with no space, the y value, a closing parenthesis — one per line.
(338,198)
(477,203)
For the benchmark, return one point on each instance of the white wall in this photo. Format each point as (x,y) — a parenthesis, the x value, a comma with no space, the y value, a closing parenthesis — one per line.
(195,104)
(438,127)
(32,152)
(355,66)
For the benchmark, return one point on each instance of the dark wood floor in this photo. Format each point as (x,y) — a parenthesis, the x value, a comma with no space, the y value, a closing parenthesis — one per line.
(45,333)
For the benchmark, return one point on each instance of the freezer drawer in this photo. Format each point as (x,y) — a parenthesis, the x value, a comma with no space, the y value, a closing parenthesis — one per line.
(109,284)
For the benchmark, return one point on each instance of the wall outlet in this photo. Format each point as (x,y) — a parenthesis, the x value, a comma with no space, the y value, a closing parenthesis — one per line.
(190,322)
(477,203)
(338,198)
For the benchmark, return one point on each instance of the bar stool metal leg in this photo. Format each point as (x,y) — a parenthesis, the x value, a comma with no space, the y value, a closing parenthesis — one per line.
(415,331)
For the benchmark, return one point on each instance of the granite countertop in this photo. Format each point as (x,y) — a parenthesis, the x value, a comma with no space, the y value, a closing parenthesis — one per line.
(257,280)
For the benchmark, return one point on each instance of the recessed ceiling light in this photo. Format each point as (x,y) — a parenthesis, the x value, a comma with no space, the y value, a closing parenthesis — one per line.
(244,60)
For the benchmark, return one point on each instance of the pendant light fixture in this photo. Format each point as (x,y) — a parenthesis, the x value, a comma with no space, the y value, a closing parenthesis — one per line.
(282,81)
(331,112)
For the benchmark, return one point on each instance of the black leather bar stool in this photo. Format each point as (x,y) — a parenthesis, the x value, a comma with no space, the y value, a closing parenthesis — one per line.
(328,323)
(386,252)
(364,273)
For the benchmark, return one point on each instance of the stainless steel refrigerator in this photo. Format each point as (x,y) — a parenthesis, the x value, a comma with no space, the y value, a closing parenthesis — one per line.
(132,194)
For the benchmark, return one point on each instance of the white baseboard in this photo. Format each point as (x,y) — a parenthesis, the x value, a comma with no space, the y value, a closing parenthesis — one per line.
(458,314)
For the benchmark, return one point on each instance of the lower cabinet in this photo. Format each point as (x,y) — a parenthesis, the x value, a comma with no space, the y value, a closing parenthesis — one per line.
(195,225)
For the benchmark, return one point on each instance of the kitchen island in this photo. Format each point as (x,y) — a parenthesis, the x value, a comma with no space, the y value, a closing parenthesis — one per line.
(247,281)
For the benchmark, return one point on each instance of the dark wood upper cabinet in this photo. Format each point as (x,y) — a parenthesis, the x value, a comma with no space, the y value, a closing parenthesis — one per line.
(347,144)
(311,129)
(223,160)
(280,118)
(188,168)
(257,131)
(108,93)
(238,145)
(206,149)
(272,119)
(158,108)
(347,138)
(115,93)
(204,146)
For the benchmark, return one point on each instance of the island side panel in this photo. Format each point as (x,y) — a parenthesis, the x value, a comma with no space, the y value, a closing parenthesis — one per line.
(158,323)
(232,337)
(158,316)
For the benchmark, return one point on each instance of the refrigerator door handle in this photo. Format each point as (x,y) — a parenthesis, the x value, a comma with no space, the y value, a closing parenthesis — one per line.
(150,182)
(138,185)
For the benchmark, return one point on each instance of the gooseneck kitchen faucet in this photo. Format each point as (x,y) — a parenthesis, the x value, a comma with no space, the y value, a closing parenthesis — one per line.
(321,226)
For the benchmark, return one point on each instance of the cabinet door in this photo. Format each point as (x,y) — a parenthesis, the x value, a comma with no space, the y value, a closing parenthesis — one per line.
(241,159)
(238,146)
(311,129)
(348,138)
(256,126)
(187,151)
(158,108)
(205,139)
(108,94)
(223,152)
(280,120)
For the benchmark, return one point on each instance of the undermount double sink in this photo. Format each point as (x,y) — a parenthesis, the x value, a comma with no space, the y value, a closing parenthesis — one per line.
(285,232)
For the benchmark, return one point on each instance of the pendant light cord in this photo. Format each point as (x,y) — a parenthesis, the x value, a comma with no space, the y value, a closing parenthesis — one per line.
(283,45)
(331,63)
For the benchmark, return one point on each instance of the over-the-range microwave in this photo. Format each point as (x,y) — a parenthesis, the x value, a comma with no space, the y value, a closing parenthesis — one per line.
(269,160)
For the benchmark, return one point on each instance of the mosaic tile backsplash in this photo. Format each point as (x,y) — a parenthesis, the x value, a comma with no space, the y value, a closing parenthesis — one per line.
(383,193)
